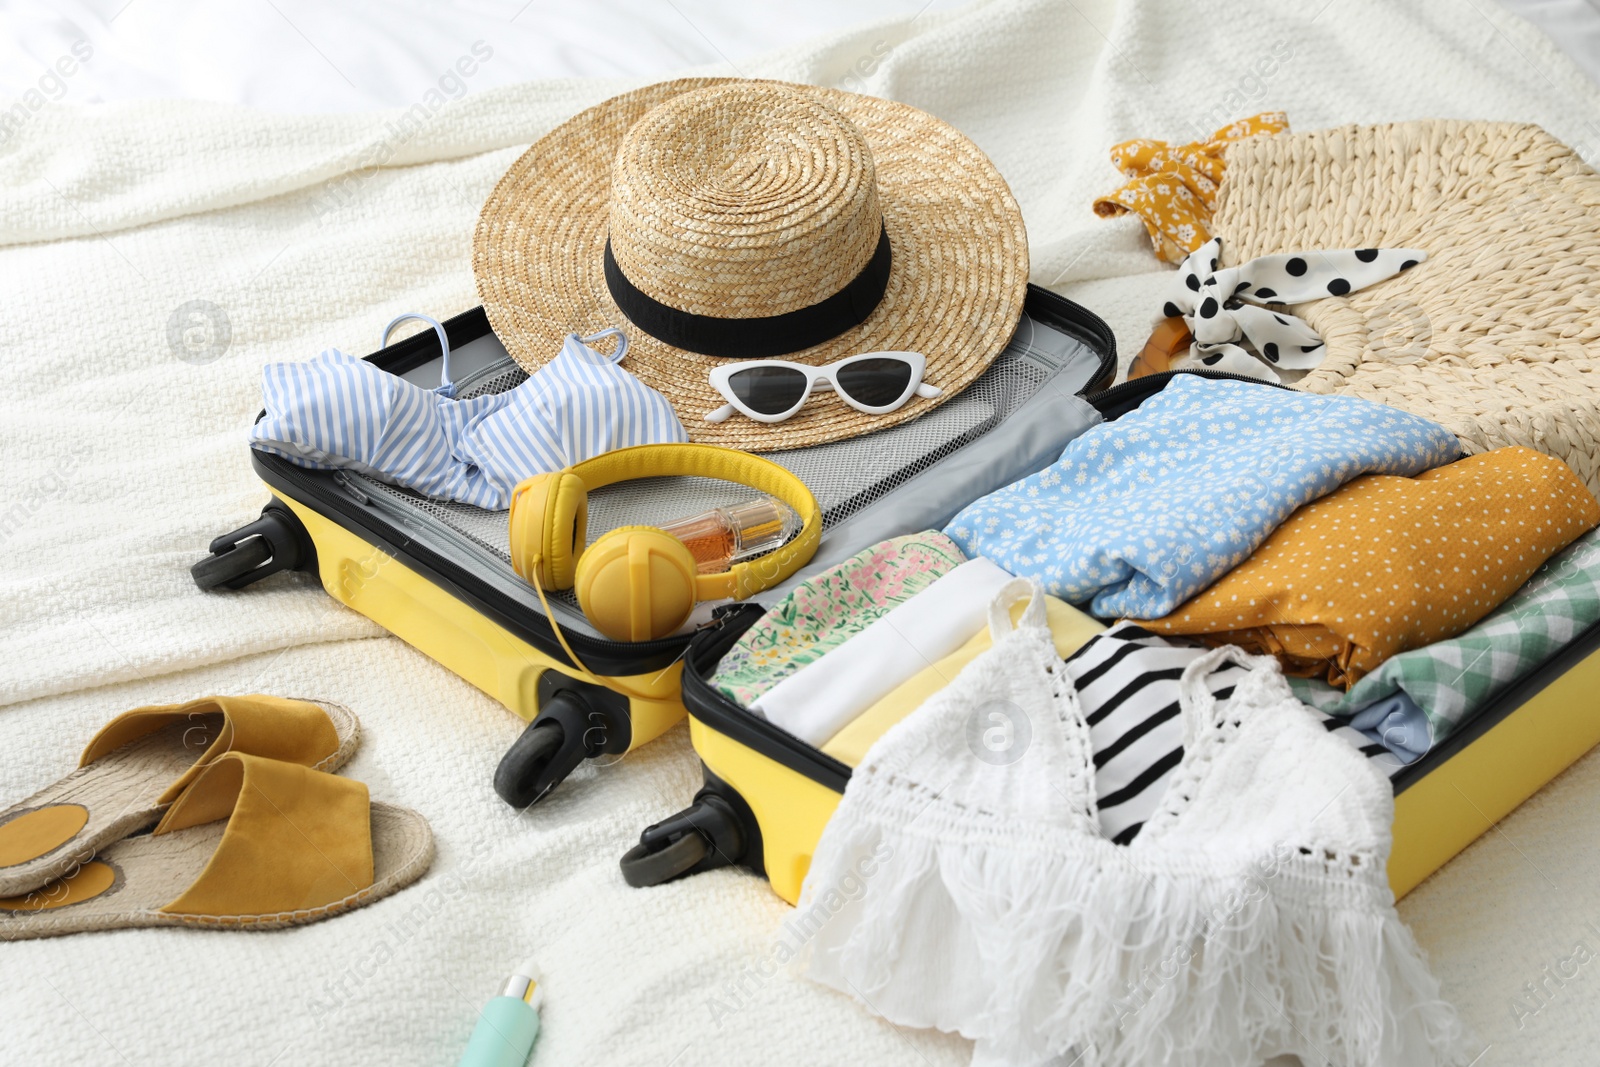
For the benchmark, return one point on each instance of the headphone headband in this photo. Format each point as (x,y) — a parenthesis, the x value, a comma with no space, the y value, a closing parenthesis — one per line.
(730,465)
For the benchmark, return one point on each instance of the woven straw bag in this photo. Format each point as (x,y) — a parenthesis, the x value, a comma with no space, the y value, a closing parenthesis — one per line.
(1497,335)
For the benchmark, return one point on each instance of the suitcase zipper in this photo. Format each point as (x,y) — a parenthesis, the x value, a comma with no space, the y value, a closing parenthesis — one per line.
(713,707)
(1075,320)
(1138,389)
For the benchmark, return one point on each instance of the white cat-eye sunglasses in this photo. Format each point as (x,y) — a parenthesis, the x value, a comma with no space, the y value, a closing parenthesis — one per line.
(772,390)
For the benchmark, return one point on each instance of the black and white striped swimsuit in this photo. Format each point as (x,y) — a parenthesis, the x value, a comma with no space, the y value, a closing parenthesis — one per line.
(1127,682)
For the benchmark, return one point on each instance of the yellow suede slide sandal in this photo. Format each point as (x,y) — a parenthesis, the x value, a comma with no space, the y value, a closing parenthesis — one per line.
(142,759)
(251,843)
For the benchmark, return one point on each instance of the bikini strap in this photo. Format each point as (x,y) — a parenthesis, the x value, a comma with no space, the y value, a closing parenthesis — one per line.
(600,335)
(1033,616)
(447,387)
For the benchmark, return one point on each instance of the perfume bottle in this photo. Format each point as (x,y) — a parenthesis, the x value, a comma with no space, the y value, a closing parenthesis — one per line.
(721,537)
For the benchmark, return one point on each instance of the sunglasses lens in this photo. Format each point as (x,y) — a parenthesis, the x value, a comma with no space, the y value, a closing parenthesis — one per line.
(875,383)
(768,390)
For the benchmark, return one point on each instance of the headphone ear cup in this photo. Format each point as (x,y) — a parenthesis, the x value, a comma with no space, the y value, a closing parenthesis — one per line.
(549,526)
(637,583)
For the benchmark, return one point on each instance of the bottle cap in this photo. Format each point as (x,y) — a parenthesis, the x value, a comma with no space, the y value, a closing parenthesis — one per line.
(524,984)
(761,525)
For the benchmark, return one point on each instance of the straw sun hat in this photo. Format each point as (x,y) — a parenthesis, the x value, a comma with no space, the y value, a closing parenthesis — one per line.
(755,219)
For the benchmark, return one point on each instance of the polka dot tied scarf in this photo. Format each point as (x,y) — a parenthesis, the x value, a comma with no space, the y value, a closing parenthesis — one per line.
(1227,306)
(1388,564)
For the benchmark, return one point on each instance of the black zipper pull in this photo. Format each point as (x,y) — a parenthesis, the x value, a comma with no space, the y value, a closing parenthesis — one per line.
(721,615)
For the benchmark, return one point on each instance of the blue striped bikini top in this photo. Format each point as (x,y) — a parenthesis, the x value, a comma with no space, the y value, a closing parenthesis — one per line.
(337,411)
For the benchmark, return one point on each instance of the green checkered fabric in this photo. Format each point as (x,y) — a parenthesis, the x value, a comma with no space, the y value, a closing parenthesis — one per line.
(1452,680)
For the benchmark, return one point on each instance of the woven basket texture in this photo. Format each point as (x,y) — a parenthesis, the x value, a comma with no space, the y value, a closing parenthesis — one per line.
(1497,334)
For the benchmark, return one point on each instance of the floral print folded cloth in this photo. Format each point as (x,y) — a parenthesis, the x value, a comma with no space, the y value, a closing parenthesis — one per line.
(1388,564)
(823,612)
(1173,188)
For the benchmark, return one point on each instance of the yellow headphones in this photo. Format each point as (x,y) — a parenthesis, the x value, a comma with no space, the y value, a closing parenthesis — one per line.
(638,583)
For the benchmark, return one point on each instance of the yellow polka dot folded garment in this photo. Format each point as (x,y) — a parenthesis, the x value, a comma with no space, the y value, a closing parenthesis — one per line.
(1387,564)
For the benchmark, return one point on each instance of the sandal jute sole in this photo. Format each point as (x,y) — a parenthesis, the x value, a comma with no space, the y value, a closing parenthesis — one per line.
(126,886)
(250,843)
(124,790)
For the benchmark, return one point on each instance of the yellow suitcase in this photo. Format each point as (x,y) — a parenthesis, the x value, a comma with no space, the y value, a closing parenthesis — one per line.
(768,795)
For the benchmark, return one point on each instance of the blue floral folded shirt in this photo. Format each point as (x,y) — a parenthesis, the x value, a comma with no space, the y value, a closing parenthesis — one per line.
(1140,514)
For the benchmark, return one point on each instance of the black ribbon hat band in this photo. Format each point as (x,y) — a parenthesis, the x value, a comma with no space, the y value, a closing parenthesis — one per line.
(758,338)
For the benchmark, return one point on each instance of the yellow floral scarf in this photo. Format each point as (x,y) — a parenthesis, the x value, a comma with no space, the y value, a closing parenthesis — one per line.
(1173,188)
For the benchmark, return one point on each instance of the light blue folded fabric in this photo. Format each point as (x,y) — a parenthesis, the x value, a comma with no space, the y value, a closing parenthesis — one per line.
(337,411)
(1397,724)
(1142,513)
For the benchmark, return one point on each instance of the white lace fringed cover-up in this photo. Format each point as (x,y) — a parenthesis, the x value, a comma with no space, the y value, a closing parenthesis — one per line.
(1251,917)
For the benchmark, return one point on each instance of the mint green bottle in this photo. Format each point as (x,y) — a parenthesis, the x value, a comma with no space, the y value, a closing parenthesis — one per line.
(508,1024)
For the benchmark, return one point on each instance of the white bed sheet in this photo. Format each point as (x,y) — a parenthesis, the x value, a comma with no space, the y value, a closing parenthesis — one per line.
(354,55)
(112,491)
(1574,25)
(309,56)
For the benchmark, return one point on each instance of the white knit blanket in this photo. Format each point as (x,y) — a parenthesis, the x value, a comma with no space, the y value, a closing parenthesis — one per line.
(121,461)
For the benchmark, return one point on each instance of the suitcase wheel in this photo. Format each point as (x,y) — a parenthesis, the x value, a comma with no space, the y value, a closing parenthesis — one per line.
(708,834)
(642,867)
(576,721)
(537,761)
(274,542)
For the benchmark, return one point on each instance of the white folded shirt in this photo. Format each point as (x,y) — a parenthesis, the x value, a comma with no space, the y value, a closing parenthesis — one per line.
(823,697)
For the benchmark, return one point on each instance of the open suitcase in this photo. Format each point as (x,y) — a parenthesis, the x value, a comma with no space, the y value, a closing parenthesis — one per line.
(438,574)
(768,795)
